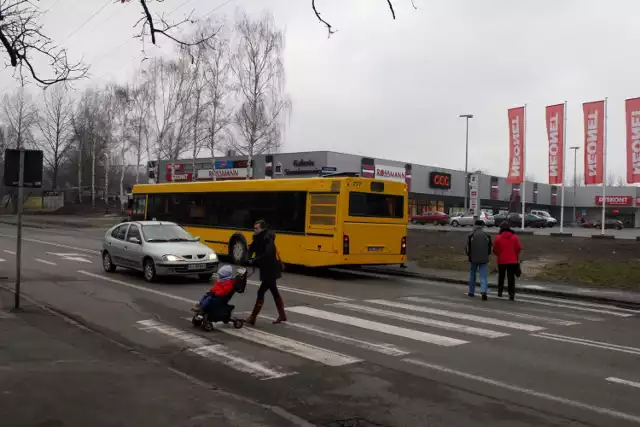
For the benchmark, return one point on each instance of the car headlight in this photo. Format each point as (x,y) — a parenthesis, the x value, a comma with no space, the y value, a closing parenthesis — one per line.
(212,257)
(171,258)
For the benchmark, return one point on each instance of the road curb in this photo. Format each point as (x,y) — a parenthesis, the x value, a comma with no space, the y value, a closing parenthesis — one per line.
(522,288)
(558,234)
(44,225)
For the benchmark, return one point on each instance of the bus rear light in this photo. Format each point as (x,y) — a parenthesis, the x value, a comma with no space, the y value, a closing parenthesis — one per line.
(403,246)
(345,245)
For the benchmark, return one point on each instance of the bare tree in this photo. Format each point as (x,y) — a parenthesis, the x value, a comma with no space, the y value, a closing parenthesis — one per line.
(140,115)
(200,104)
(217,73)
(86,129)
(123,106)
(259,70)
(56,128)
(25,44)
(20,115)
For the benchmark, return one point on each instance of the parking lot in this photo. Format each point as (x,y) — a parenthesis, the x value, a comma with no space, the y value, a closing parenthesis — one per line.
(628,233)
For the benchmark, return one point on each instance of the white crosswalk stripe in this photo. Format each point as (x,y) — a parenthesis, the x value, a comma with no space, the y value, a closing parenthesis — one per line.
(386,327)
(462,316)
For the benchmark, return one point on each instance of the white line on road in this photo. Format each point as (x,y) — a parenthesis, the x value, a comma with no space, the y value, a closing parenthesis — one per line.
(514,388)
(10,252)
(624,382)
(573,307)
(384,348)
(487,333)
(305,292)
(462,316)
(139,288)
(580,303)
(551,320)
(44,261)
(287,345)
(59,245)
(589,343)
(216,352)
(378,327)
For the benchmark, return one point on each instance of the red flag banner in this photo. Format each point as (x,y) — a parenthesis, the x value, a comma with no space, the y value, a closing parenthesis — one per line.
(633,140)
(593,142)
(516,145)
(555,135)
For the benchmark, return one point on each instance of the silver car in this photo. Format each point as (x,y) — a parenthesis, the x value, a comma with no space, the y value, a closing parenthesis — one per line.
(469,220)
(157,248)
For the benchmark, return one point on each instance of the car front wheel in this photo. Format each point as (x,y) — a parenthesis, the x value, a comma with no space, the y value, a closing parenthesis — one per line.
(455,223)
(149,270)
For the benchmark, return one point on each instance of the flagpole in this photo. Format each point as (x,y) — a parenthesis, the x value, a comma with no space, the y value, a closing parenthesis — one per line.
(564,163)
(523,192)
(604,168)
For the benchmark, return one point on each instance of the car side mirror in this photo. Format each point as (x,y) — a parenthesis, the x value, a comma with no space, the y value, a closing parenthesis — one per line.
(135,240)
(197,238)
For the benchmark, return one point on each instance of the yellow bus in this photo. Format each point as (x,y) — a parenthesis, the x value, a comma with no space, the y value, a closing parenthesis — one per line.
(319,222)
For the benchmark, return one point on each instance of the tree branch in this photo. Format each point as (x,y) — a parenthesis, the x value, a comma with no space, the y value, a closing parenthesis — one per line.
(393,12)
(329,29)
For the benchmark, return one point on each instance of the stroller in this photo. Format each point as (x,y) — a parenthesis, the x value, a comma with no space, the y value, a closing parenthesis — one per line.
(221,311)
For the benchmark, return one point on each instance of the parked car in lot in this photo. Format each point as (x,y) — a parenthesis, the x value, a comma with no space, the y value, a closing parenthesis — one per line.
(461,220)
(157,248)
(610,224)
(515,220)
(551,221)
(431,217)
(535,221)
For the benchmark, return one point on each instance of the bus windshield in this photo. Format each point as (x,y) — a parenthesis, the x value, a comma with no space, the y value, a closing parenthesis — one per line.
(376,205)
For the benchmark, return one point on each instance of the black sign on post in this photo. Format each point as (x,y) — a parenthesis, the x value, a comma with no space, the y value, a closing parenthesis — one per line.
(32,168)
(440,180)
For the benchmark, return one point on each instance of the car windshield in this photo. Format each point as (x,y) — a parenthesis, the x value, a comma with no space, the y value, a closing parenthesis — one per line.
(165,233)
(544,214)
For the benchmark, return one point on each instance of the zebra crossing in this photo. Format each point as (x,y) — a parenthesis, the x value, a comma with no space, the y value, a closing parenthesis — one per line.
(347,332)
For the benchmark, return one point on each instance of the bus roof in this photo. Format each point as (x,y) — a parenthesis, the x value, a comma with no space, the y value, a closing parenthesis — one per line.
(319,184)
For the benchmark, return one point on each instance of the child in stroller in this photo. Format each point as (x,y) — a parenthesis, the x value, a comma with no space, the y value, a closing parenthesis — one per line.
(214,307)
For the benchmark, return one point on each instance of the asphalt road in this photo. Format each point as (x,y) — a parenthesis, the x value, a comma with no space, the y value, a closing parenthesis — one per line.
(386,351)
(626,233)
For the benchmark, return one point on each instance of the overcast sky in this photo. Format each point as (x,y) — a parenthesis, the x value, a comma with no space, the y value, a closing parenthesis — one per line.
(394,89)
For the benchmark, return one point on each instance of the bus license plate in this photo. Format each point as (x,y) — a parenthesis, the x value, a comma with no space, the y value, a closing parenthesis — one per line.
(194,267)
(375,249)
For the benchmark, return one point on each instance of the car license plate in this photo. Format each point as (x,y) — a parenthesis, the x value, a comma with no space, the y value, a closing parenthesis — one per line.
(194,267)
(375,249)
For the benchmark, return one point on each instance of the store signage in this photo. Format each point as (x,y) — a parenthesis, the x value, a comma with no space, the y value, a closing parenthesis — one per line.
(474,194)
(304,163)
(174,166)
(391,173)
(221,174)
(638,201)
(440,180)
(232,164)
(179,176)
(615,200)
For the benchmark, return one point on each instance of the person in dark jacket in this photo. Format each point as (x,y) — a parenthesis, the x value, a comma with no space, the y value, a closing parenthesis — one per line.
(507,248)
(267,260)
(478,249)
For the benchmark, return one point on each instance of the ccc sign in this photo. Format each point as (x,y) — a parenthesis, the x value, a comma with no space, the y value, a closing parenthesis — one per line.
(440,180)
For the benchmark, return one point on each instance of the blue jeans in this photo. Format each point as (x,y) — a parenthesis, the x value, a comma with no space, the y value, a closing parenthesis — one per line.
(473,268)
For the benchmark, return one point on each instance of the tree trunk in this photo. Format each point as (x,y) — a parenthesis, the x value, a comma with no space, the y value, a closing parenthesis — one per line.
(106,180)
(93,175)
(122,181)
(80,175)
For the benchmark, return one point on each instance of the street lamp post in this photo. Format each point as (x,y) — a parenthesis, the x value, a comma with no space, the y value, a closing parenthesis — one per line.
(575,179)
(466,163)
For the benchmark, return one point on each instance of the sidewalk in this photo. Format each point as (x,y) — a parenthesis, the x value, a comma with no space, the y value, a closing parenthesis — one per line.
(54,373)
(68,221)
(522,285)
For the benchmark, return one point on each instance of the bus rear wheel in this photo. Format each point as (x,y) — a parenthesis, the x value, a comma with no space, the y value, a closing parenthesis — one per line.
(238,251)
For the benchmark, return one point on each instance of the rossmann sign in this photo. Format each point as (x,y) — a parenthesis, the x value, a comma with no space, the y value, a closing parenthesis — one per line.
(391,173)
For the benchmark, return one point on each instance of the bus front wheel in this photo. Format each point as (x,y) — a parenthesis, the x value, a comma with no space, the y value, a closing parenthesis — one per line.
(238,251)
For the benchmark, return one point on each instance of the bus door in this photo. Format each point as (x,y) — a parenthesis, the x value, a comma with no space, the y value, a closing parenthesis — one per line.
(322,222)
(138,207)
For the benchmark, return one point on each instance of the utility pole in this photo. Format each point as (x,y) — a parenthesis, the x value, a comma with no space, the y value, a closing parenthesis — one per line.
(466,163)
(575,179)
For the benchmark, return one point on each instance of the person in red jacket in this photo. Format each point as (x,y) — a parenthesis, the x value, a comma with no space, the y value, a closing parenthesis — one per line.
(221,288)
(507,249)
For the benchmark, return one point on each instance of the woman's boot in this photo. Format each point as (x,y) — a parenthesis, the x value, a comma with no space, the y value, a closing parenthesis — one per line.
(254,313)
(282,316)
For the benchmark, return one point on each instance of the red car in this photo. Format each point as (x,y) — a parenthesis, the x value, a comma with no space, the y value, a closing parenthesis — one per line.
(432,217)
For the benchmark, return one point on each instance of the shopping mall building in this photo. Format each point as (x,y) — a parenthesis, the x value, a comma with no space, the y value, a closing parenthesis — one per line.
(430,188)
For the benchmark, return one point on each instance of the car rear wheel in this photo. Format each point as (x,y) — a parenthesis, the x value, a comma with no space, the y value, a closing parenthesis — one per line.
(455,223)
(149,270)
(436,222)
(107,263)
(413,221)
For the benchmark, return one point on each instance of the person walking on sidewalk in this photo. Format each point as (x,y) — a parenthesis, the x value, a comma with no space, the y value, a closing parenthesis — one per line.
(266,258)
(478,249)
(507,248)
